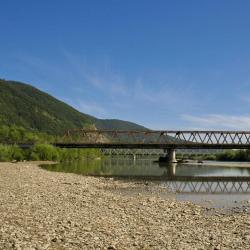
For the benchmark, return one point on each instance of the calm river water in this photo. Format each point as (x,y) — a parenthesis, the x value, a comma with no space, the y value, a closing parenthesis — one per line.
(222,184)
(126,167)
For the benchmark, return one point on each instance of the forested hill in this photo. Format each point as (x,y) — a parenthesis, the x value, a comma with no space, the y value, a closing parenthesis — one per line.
(26,106)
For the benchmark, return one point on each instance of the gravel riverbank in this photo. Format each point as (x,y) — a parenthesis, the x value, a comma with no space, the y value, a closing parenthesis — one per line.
(49,210)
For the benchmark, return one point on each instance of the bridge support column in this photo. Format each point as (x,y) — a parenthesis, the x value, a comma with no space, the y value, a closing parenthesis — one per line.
(171,155)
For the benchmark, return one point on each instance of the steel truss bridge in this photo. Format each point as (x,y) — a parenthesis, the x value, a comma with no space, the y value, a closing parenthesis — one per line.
(169,139)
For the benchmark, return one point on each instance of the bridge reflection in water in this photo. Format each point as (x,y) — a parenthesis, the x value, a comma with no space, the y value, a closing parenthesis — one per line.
(180,178)
(201,184)
(206,184)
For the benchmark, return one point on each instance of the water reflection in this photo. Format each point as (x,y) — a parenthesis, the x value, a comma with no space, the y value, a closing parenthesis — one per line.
(145,167)
(177,177)
(209,186)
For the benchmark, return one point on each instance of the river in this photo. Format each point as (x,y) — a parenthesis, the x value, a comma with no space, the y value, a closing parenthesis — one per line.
(218,184)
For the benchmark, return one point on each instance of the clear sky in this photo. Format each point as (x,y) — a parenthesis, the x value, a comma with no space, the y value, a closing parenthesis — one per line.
(163,64)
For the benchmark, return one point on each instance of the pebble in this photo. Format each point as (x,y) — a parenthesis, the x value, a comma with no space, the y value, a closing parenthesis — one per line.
(48,210)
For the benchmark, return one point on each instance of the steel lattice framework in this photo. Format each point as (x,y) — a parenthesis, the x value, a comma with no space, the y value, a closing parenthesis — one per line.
(156,139)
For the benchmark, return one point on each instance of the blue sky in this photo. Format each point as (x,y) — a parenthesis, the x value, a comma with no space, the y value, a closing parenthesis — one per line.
(163,64)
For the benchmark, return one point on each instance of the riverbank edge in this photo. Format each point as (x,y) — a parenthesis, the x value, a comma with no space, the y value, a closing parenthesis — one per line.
(218,163)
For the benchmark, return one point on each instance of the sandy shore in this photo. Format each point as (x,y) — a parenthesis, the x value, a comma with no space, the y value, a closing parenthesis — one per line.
(48,210)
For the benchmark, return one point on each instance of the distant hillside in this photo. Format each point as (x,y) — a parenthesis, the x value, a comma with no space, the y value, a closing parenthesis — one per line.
(26,106)
(110,124)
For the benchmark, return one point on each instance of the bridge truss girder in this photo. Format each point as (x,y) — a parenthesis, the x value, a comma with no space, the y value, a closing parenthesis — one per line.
(157,139)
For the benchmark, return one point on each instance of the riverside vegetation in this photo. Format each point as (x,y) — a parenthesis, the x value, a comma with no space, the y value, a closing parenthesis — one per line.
(42,150)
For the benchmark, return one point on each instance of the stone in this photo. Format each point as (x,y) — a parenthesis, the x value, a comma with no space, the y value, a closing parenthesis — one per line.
(38,211)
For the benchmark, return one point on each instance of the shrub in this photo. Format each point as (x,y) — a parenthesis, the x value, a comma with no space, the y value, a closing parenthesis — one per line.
(9,153)
(44,152)
(34,156)
(5,154)
(17,153)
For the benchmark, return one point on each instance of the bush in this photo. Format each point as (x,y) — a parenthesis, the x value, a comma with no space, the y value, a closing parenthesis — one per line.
(209,157)
(9,153)
(44,152)
(17,153)
(5,154)
(34,156)
(234,155)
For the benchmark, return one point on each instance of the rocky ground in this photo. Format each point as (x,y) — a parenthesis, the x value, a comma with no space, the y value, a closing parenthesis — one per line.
(48,210)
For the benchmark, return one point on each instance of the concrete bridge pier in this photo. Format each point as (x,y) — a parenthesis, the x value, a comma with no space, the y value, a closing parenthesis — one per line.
(171,155)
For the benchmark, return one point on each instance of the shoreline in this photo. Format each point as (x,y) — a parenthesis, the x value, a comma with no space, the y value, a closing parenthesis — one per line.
(51,210)
(219,163)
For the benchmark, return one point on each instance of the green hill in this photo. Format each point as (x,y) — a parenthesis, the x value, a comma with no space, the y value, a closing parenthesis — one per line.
(23,105)
(110,124)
